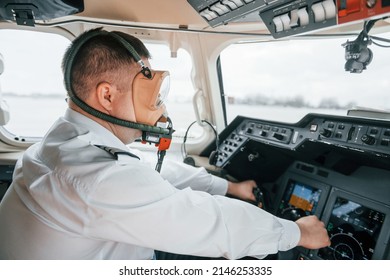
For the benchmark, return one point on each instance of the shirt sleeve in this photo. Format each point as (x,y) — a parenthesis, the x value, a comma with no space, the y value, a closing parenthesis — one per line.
(182,176)
(291,235)
(148,211)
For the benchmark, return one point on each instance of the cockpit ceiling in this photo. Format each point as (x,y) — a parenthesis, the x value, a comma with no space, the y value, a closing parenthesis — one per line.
(168,13)
(171,13)
(185,15)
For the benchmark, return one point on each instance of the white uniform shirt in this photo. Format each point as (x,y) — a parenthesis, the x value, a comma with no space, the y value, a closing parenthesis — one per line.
(72,200)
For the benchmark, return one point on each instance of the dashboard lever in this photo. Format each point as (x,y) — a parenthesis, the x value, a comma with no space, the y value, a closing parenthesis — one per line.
(259,197)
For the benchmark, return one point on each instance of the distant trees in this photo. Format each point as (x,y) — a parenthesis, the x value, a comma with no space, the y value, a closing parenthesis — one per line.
(297,101)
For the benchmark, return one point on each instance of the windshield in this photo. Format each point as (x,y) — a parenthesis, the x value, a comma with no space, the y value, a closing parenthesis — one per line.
(285,80)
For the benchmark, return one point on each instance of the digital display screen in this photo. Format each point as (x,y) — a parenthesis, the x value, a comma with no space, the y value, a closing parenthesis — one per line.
(353,230)
(301,197)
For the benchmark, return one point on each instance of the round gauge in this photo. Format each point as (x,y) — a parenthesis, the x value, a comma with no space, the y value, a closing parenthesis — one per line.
(343,252)
(359,211)
(345,247)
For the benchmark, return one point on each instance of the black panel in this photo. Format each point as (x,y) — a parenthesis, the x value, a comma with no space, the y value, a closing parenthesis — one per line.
(314,167)
(258,162)
(358,228)
(6,172)
(217,12)
(339,143)
(355,209)
(299,16)
(25,12)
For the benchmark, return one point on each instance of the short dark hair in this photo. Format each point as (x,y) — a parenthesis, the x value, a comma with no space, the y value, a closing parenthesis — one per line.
(101,58)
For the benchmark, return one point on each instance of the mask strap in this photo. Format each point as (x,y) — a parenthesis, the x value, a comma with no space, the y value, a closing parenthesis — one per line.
(145,69)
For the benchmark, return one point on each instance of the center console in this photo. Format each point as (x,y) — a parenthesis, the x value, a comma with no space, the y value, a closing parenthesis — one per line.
(334,167)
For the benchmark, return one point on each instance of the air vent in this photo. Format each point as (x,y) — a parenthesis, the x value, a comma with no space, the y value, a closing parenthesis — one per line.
(306,168)
(322,173)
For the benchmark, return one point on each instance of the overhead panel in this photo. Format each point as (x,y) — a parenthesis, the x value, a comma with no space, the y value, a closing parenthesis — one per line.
(25,12)
(285,18)
(217,12)
(300,16)
(352,10)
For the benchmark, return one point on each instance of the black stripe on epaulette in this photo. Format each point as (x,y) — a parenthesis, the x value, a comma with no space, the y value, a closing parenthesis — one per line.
(116,152)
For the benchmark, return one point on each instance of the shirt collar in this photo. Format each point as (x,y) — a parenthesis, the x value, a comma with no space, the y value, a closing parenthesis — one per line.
(100,135)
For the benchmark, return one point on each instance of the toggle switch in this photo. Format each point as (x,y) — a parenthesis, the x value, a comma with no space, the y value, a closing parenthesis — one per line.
(330,9)
(220,9)
(303,17)
(278,24)
(286,21)
(319,12)
(239,3)
(294,18)
(230,4)
(209,15)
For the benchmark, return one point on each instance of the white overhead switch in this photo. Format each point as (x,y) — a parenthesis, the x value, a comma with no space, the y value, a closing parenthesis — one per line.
(220,9)
(286,21)
(278,24)
(209,15)
(303,17)
(229,3)
(294,18)
(330,9)
(319,12)
(239,3)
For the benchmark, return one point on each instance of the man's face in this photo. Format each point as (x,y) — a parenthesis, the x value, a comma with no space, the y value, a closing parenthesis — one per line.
(124,103)
(141,100)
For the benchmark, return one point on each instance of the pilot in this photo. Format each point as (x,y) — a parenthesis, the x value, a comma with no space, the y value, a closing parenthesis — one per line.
(82,193)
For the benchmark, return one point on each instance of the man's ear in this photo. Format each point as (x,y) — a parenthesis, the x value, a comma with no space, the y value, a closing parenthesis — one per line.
(104,94)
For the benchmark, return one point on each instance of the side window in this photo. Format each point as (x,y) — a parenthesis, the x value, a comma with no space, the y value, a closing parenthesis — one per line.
(179,100)
(32,83)
(33,89)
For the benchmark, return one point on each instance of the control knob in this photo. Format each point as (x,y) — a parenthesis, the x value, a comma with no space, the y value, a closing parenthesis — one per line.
(293,214)
(368,139)
(326,132)
(278,136)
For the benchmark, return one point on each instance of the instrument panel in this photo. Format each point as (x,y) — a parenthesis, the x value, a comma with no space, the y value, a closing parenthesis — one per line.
(355,228)
(357,135)
(358,225)
(285,18)
(334,167)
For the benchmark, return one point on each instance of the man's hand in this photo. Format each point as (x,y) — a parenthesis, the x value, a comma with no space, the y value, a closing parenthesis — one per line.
(313,233)
(242,190)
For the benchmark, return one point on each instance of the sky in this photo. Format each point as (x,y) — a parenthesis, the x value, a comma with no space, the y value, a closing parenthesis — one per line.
(312,69)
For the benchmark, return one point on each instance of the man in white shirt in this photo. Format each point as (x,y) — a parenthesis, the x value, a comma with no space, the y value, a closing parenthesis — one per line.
(81,193)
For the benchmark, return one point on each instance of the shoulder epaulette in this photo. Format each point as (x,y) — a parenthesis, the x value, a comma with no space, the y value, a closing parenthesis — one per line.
(116,152)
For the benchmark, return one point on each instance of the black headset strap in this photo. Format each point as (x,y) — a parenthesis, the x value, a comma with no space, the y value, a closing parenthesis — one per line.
(84,106)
